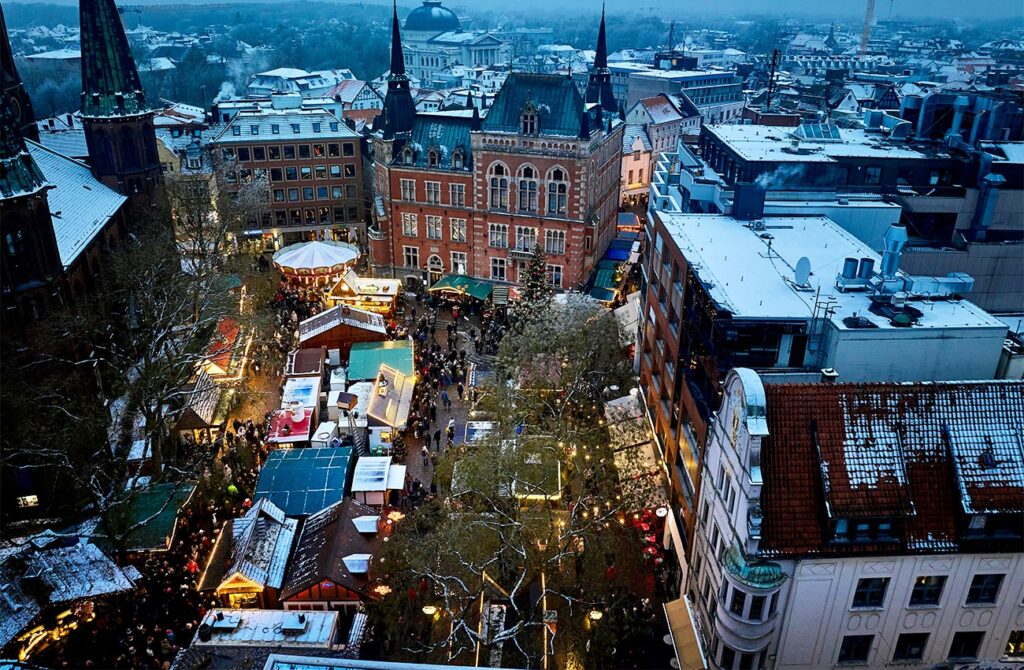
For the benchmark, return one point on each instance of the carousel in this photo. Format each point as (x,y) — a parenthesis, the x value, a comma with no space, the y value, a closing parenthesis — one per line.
(317,263)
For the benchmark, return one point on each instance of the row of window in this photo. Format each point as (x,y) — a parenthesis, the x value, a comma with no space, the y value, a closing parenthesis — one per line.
(292,173)
(456,193)
(275,128)
(310,193)
(276,152)
(497,233)
(964,646)
(321,215)
(927,591)
(557,188)
(498,266)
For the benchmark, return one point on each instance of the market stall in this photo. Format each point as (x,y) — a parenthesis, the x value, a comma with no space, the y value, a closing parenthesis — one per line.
(318,263)
(370,294)
(291,427)
(460,286)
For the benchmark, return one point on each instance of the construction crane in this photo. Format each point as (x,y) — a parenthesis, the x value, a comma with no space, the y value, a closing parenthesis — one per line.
(869,15)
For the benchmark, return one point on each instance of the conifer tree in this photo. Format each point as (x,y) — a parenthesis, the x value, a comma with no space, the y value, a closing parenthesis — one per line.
(535,288)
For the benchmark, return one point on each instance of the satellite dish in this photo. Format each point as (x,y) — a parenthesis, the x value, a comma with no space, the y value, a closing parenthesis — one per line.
(803,271)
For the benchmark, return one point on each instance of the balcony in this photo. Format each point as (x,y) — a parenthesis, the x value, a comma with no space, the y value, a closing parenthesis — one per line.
(376,234)
(520,252)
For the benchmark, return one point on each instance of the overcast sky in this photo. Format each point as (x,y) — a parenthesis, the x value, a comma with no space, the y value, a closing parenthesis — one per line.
(967,10)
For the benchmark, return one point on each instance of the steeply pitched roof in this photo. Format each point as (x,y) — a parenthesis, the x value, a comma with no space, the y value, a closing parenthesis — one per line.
(556,99)
(631,132)
(80,204)
(327,537)
(922,454)
(110,81)
(661,109)
(444,132)
(262,541)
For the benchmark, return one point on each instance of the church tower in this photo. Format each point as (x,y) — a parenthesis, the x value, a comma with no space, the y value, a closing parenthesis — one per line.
(30,266)
(118,123)
(13,95)
(599,84)
(399,109)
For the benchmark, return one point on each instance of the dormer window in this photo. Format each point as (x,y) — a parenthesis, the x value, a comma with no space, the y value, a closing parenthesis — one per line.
(529,122)
(457,159)
(407,157)
(433,158)
(255,130)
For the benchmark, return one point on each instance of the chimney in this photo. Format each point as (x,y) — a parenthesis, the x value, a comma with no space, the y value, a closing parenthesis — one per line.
(829,376)
(71,121)
(850,268)
(895,240)
(867,268)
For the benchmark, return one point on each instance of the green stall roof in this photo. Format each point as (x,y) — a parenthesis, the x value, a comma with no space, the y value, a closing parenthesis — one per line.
(463,285)
(162,500)
(306,480)
(365,358)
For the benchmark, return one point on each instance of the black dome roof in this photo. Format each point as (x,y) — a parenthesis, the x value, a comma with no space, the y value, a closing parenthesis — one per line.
(432,16)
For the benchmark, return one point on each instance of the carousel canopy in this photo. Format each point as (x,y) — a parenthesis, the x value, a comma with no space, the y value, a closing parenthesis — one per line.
(315,258)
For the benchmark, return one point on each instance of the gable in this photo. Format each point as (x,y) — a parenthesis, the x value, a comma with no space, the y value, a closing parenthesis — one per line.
(237,581)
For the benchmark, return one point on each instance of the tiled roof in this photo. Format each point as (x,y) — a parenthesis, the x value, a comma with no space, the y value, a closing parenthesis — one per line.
(262,543)
(346,90)
(914,452)
(296,124)
(80,205)
(661,109)
(326,538)
(557,100)
(633,131)
(443,132)
(338,316)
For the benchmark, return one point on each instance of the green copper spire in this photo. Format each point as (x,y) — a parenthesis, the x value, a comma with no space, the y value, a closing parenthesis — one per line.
(19,174)
(110,81)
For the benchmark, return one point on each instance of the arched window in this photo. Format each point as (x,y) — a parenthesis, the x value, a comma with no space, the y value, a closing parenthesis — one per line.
(129,156)
(528,188)
(105,156)
(433,160)
(529,122)
(435,264)
(499,186)
(457,159)
(558,191)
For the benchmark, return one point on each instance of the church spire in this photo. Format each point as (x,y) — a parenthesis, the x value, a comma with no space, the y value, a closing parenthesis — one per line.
(599,85)
(399,109)
(12,91)
(110,80)
(601,57)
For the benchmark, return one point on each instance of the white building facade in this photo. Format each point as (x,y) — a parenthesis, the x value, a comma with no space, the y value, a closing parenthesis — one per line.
(864,525)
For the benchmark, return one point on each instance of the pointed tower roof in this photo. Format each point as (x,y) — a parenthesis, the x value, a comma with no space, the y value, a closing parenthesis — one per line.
(19,174)
(12,91)
(599,85)
(601,57)
(110,80)
(399,109)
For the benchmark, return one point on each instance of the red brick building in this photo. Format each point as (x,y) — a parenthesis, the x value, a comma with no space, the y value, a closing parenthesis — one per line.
(460,194)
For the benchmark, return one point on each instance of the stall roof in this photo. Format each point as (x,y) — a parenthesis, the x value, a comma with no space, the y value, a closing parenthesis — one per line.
(305,362)
(390,402)
(302,390)
(366,358)
(462,285)
(342,315)
(377,473)
(286,429)
(156,508)
(269,628)
(304,481)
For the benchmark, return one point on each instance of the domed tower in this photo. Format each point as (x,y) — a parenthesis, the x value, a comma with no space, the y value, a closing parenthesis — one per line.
(13,95)
(117,121)
(30,266)
(599,85)
(430,20)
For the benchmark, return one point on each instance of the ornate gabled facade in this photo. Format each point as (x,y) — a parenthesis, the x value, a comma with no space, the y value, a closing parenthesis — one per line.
(118,121)
(462,195)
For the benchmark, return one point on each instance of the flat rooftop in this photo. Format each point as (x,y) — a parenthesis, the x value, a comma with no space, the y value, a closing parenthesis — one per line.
(743,276)
(774,145)
(251,627)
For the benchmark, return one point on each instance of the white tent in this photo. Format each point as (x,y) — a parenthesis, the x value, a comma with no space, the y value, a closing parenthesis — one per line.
(316,258)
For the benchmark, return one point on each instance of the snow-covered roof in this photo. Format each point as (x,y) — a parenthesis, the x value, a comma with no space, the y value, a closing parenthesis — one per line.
(733,262)
(80,205)
(291,124)
(771,144)
(262,628)
(263,541)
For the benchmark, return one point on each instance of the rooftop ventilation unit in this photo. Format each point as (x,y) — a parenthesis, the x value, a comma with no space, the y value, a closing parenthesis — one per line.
(294,624)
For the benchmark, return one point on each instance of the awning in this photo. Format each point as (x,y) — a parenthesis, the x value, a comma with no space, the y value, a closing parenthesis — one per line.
(605,278)
(463,286)
(602,294)
(685,640)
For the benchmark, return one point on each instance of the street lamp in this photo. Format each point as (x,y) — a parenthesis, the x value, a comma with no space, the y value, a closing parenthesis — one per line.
(430,610)
(595,615)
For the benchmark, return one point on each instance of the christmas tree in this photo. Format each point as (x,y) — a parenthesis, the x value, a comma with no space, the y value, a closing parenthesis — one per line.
(534,288)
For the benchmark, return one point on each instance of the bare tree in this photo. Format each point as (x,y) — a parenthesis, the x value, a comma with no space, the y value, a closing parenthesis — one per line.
(535,519)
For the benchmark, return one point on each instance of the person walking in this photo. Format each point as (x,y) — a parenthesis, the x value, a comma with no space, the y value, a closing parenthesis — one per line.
(425,453)
(460,389)
(437,439)
(446,400)
(451,428)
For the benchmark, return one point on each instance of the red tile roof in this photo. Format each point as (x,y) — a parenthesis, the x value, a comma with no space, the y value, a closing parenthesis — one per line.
(661,108)
(926,453)
(221,348)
